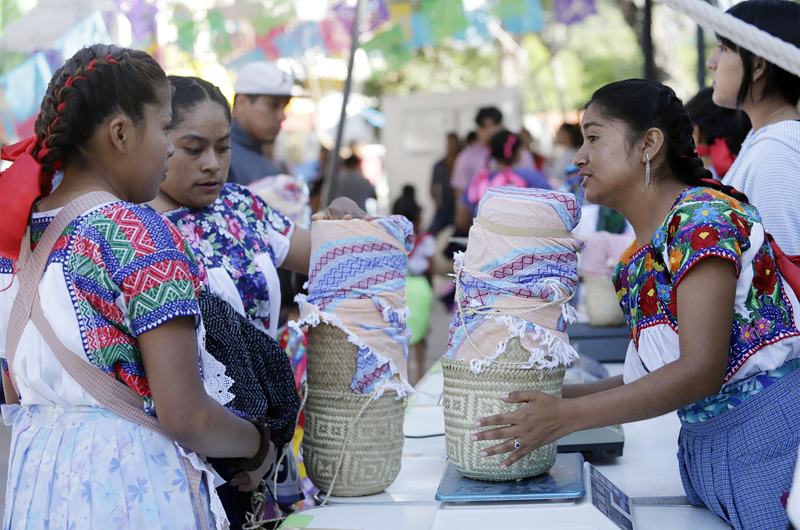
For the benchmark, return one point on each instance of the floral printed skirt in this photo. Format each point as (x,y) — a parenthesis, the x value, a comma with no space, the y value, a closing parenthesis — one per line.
(76,468)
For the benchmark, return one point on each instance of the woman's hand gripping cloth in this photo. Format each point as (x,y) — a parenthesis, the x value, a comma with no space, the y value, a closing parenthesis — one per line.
(516,278)
(357,282)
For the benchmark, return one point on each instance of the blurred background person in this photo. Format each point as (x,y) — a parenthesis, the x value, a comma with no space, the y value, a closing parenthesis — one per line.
(419,290)
(475,157)
(505,149)
(352,183)
(262,92)
(718,132)
(443,196)
(568,139)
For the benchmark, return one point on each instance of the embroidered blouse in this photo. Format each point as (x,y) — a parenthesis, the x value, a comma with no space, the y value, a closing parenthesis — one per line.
(765,332)
(117,271)
(241,241)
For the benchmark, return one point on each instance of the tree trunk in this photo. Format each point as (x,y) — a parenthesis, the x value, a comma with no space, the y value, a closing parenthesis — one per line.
(634,16)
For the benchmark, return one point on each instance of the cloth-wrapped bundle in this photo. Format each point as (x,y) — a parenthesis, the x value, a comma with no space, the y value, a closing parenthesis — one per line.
(513,287)
(357,353)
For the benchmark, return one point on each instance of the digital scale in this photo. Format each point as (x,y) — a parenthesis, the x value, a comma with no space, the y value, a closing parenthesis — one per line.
(562,482)
(594,444)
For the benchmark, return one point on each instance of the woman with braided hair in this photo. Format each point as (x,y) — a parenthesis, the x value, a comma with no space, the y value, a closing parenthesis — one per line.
(241,241)
(715,330)
(100,330)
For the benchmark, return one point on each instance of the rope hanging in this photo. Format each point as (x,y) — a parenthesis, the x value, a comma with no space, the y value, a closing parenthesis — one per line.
(761,43)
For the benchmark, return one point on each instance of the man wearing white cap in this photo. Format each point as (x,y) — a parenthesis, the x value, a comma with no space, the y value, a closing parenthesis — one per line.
(262,92)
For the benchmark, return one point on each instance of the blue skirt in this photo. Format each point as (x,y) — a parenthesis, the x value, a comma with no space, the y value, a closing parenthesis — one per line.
(741,462)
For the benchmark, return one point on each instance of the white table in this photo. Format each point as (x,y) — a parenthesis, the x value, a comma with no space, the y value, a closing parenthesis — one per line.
(648,468)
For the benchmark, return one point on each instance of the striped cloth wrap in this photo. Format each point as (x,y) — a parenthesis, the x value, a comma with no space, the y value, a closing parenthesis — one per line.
(516,278)
(357,283)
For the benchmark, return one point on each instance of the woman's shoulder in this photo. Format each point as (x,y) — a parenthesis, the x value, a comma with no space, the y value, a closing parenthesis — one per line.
(707,208)
(124,226)
(779,140)
(709,205)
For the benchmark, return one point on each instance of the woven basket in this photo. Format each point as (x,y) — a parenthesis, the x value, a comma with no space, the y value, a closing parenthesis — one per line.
(602,306)
(469,396)
(374,449)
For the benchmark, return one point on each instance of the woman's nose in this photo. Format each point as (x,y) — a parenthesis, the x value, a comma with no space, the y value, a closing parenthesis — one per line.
(580,158)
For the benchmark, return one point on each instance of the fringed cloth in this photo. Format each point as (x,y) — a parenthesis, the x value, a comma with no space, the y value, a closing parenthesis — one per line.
(357,282)
(517,277)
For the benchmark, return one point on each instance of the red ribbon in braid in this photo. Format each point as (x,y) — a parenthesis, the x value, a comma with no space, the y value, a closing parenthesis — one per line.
(24,182)
(20,185)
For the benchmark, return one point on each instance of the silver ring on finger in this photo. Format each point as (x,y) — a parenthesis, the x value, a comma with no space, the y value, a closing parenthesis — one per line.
(517,445)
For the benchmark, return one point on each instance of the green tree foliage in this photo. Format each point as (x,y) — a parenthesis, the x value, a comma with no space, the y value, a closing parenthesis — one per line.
(601,49)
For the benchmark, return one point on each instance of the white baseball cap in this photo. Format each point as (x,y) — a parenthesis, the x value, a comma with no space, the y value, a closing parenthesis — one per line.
(263,78)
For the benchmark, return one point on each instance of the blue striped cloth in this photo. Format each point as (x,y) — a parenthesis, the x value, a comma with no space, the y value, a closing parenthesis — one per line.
(767,170)
(741,462)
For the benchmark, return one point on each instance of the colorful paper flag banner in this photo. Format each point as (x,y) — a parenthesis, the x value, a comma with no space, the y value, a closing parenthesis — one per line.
(90,30)
(26,85)
(421,31)
(142,16)
(296,41)
(572,11)
(187,33)
(531,21)
(446,18)
(376,15)
(337,39)
(221,41)
(401,16)
(391,45)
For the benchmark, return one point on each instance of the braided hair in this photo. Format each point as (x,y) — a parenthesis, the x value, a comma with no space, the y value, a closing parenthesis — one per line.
(191,92)
(642,104)
(94,84)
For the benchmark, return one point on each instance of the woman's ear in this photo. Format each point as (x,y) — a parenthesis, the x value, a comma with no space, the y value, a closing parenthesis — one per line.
(759,67)
(653,142)
(119,133)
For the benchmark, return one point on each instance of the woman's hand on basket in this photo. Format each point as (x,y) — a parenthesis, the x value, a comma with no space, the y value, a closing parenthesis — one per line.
(342,209)
(249,480)
(541,420)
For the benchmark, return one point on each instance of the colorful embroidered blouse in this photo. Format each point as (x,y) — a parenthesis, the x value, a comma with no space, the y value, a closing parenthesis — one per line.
(233,235)
(704,222)
(116,272)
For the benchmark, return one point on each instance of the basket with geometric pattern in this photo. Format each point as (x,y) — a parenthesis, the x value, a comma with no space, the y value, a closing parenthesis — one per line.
(353,443)
(469,396)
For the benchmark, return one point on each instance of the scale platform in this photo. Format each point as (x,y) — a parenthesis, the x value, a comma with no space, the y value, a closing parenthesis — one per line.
(563,481)
(594,444)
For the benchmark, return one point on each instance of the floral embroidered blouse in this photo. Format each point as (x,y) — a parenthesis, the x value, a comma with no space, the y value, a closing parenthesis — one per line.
(765,334)
(241,241)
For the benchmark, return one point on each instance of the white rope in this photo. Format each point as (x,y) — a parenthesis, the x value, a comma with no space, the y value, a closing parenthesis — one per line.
(350,429)
(761,43)
(496,310)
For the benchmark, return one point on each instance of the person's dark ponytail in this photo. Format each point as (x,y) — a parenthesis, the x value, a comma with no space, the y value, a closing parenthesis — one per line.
(642,104)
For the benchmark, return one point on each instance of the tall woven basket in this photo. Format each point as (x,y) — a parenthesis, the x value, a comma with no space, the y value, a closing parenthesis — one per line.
(347,454)
(469,396)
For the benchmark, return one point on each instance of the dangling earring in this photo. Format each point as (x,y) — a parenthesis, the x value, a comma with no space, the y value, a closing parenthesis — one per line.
(646,173)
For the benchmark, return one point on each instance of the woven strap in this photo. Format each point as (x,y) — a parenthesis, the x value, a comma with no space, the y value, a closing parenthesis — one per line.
(105,388)
(506,230)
